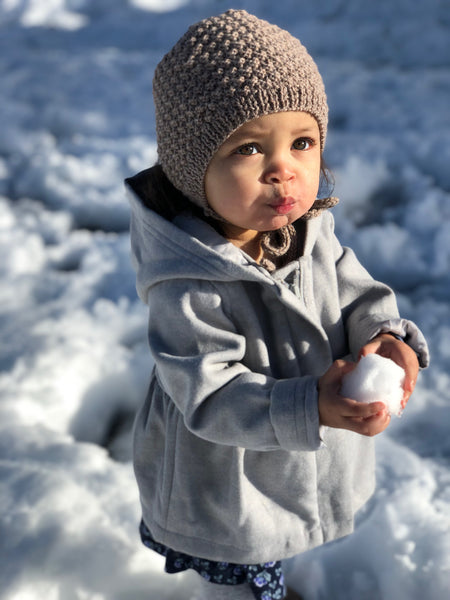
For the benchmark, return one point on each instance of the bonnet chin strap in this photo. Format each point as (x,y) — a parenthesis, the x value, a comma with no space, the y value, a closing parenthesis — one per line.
(319,206)
(281,245)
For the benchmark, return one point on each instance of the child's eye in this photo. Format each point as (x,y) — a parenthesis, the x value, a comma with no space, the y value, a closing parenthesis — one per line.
(303,144)
(247,149)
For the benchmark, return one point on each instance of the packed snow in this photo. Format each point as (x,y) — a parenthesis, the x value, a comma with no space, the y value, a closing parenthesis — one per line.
(75,120)
(375,379)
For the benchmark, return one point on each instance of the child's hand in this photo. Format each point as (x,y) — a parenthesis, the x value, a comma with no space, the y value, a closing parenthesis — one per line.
(344,413)
(388,346)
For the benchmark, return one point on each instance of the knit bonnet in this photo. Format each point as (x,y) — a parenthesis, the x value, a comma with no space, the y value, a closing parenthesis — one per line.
(223,72)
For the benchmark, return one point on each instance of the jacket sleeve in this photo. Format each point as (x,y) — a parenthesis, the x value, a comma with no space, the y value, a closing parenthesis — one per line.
(199,363)
(369,307)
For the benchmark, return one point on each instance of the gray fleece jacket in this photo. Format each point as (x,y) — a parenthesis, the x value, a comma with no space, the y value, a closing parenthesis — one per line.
(230,459)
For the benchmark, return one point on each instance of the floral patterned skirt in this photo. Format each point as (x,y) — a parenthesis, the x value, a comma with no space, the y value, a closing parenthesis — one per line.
(266,579)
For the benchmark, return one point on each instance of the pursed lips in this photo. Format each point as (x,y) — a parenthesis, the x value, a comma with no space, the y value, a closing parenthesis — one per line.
(283,205)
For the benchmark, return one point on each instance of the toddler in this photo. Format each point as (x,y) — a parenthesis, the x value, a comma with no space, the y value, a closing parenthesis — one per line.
(245,453)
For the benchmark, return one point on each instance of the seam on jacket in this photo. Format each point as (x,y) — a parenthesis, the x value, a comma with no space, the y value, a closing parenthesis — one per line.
(206,540)
(295,400)
(172,471)
(311,416)
(308,533)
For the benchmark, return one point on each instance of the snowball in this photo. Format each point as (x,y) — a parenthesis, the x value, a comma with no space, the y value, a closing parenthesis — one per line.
(376,379)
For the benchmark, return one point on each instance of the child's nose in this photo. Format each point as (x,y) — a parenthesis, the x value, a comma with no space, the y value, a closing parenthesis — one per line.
(279,171)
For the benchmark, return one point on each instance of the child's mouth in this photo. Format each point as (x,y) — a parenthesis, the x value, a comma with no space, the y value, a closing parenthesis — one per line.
(283,206)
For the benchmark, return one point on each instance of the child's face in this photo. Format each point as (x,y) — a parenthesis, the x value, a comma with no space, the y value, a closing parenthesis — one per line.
(266,174)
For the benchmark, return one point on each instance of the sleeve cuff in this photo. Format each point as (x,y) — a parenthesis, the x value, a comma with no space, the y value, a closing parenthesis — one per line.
(410,334)
(294,413)
(366,329)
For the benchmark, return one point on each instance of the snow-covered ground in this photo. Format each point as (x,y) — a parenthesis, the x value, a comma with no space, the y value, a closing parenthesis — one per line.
(75,119)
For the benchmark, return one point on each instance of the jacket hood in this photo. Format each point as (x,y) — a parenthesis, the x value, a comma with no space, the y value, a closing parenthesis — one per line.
(188,247)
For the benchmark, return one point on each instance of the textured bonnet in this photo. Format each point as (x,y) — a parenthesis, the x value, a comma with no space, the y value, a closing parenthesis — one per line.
(223,72)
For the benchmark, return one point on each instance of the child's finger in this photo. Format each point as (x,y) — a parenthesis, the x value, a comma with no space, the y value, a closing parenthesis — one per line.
(411,372)
(408,388)
(409,362)
(370,348)
(361,410)
(372,425)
